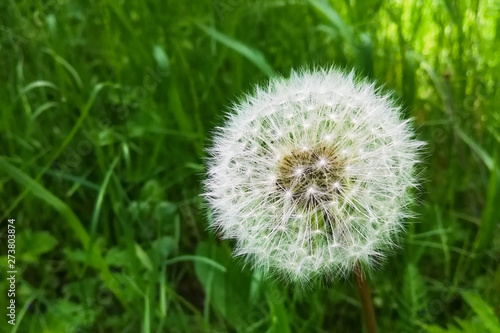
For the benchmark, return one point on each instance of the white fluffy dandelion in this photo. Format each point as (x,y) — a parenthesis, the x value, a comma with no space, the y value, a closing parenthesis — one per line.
(310,175)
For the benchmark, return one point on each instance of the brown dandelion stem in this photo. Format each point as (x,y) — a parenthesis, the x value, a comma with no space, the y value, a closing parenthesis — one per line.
(366,300)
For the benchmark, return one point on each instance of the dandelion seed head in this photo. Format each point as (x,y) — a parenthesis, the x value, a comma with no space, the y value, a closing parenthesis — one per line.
(309,184)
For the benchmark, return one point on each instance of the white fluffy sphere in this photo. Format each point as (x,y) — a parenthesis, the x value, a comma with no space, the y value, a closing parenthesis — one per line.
(310,175)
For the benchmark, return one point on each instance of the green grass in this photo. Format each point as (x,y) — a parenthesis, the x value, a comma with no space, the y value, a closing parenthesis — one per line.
(106,107)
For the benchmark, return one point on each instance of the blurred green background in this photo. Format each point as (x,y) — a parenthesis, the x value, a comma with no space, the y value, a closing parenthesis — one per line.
(107,106)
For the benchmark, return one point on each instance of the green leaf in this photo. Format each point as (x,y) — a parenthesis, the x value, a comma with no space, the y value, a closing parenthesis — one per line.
(414,293)
(485,157)
(280,323)
(143,257)
(161,57)
(152,191)
(38,84)
(33,244)
(67,316)
(162,247)
(255,56)
(335,19)
(117,257)
(473,325)
(227,292)
(38,190)
(483,310)
(435,329)
(74,74)
(490,213)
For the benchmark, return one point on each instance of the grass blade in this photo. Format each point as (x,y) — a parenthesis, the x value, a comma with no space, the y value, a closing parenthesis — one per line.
(334,17)
(483,310)
(485,157)
(70,217)
(255,56)
(204,260)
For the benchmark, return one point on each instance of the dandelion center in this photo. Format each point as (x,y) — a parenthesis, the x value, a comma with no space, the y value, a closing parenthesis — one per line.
(310,177)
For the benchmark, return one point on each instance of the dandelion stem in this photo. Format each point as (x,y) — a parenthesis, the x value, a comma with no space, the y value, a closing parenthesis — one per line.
(366,300)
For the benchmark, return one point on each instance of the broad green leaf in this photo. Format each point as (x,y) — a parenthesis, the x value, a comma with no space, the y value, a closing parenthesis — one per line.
(33,244)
